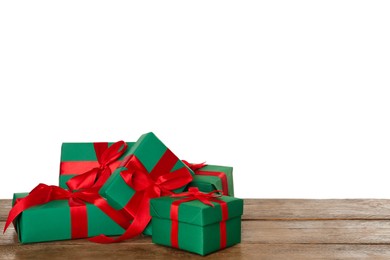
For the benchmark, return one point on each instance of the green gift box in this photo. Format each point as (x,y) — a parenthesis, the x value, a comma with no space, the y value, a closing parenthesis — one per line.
(78,158)
(214,177)
(199,229)
(52,221)
(149,150)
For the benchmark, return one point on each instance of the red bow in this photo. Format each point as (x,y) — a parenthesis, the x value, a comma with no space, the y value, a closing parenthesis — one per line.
(43,194)
(206,198)
(194,166)
(96,177)
(193,193)
(159,182)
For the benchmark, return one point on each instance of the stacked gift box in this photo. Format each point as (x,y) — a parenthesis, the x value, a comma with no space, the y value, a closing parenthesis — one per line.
(110,192)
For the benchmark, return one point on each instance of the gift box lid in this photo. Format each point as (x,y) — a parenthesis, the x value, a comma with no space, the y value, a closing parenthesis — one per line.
(18,196)
(84,151)
(149,149)
(195,212)
(50,204)
(217,168)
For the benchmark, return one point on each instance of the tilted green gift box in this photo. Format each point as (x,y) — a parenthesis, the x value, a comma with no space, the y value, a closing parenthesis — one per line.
(82,153)
(199,224)
(52,221)
(149,150)
(207,183)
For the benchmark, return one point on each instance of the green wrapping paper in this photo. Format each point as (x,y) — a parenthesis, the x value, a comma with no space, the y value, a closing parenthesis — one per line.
(199,224)
(206,182)
(82,156)
(149,150)
(52,221)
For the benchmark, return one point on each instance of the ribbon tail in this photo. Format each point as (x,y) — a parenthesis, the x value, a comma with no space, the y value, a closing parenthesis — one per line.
(14,212)
(140,222)
(121,219)
(205,201)
(41,194)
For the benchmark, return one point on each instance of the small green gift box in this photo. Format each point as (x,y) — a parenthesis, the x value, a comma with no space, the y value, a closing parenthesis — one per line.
(57,220)
(195,226)
(214,177)
(79,158)
(158,163)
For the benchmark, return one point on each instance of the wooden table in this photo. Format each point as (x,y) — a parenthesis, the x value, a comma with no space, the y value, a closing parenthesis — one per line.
(272,229)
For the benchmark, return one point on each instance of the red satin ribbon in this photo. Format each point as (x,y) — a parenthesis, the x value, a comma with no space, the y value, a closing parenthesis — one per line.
(96,173)
(196,168)
(43,194)
(206,198)
(79,167)
(159,182)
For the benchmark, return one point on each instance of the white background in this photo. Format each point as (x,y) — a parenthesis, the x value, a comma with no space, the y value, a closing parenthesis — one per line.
(294,94)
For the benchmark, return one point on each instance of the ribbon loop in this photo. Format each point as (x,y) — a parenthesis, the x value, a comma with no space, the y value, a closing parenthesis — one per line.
(194,194)
(112,153)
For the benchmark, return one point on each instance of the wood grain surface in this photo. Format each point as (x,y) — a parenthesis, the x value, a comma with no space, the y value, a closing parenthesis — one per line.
(271,229)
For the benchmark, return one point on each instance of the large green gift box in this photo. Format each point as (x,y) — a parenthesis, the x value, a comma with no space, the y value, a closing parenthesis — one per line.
(214,177)
(78,158)
(199,225)
(150,151)
(52,221)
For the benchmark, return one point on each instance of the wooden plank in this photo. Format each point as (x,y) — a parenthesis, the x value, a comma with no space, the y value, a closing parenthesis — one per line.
(293,209)
(284,232)
(5,206)
(316,209)
(241,251)
(10,238)
(317,231)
